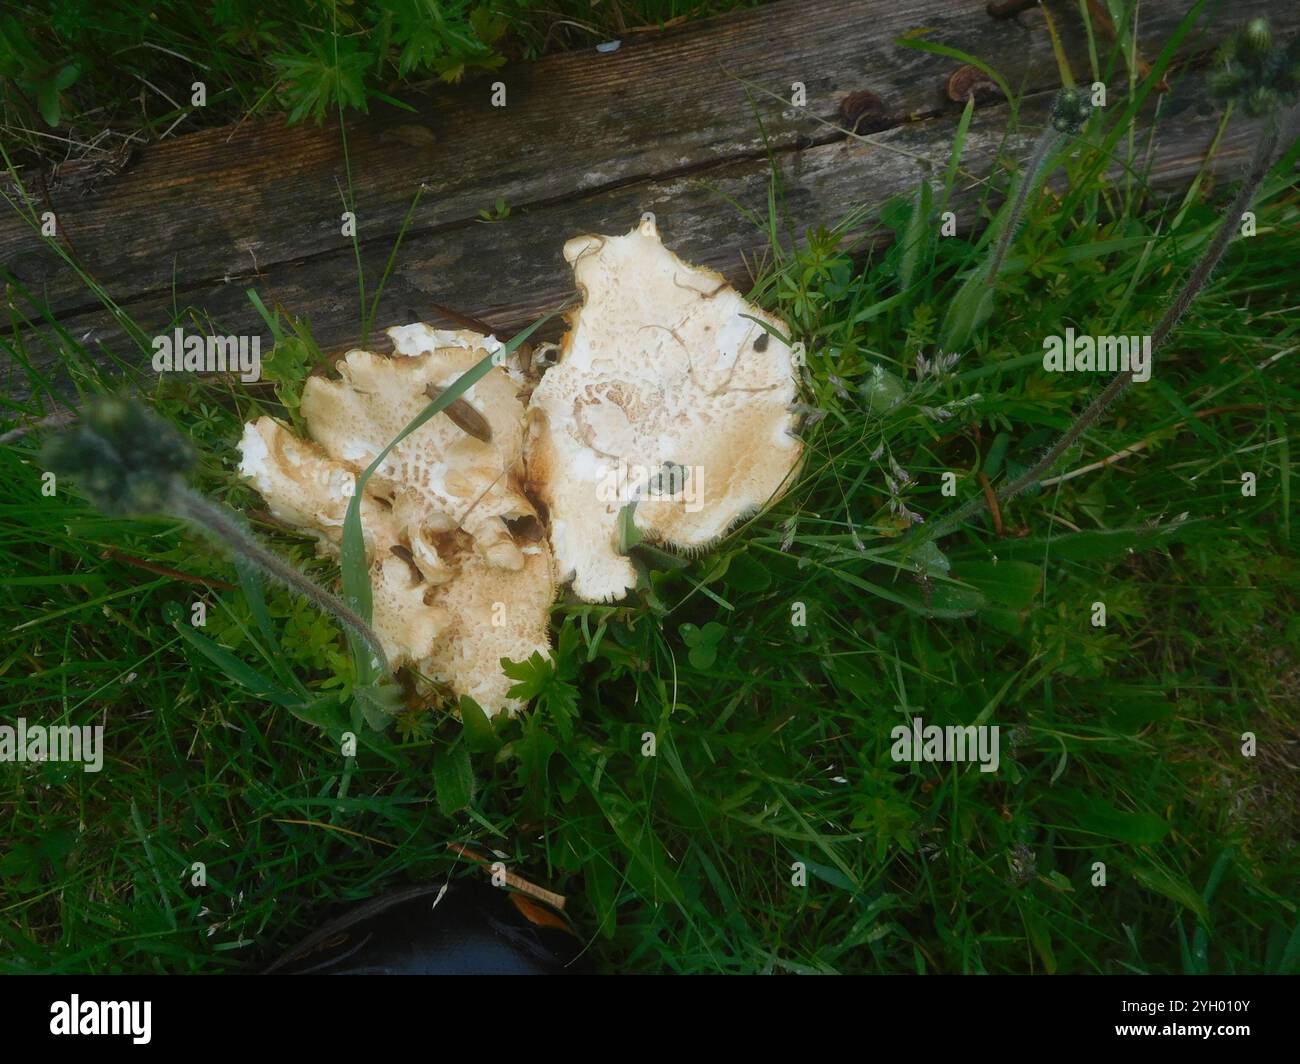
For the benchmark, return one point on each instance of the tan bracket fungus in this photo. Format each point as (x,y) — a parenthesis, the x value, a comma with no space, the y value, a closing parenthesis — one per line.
(455,589)
(663,373)
(663,377)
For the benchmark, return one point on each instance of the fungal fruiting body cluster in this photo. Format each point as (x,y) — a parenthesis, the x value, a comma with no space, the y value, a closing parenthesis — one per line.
(671,392)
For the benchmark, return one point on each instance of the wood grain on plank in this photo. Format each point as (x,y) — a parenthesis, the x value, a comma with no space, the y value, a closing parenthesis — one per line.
(512,272)
(586,142)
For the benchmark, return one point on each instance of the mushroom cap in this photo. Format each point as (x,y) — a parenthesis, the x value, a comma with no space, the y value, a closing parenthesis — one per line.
(666,380)
(305,487)
(494,613)
(671,390)
(434,515)
(471,483)
(864,112)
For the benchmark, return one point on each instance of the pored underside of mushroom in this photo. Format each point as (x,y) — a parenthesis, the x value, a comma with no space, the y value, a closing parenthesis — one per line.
(459,580)
(669,392)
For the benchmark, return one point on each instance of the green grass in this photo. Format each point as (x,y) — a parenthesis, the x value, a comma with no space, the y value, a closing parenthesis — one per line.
(1120,744)
(83,81)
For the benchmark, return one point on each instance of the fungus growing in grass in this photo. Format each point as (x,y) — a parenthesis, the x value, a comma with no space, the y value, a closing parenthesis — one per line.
(671,391)
(456,588)
(306,488)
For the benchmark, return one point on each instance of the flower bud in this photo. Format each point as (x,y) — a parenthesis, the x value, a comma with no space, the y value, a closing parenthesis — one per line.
(125,458)
(1256,40)
(1070,111)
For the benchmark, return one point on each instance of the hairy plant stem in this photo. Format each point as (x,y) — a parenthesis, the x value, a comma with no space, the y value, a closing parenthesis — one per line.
(228,532)
(1047,140)
(1266,151)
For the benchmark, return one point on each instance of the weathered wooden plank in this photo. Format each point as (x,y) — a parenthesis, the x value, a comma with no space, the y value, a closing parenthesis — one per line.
(586,142)
(225,203)
(525,276)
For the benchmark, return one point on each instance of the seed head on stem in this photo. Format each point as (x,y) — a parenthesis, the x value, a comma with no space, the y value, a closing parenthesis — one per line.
(130,462)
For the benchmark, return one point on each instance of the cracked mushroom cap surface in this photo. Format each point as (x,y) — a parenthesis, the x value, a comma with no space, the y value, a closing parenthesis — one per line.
(304,487)
(456,587)
(666,391)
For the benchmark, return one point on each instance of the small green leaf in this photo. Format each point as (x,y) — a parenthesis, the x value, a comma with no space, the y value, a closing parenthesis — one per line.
(1098,817)
(453,779)
(969,309)
(702,657)
(703,643)
(881,390)
(245,675)
(272,320)
(1041,938)
(1007,583)
(379,701)
(67,77)
(916,240)
(1174,888)
(931,560)
(629,535)
(47,100)
(479,735)
(746,573)
(997,452)
(549,681)
(827,874)
(949,600)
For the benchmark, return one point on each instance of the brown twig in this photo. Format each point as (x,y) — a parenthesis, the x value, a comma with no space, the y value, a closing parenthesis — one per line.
(517,882)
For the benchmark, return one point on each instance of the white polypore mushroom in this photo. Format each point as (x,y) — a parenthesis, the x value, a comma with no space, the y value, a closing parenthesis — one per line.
(671,391)
(470,481)
(455,589)
(304,487)
(495,613)
(668,390)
